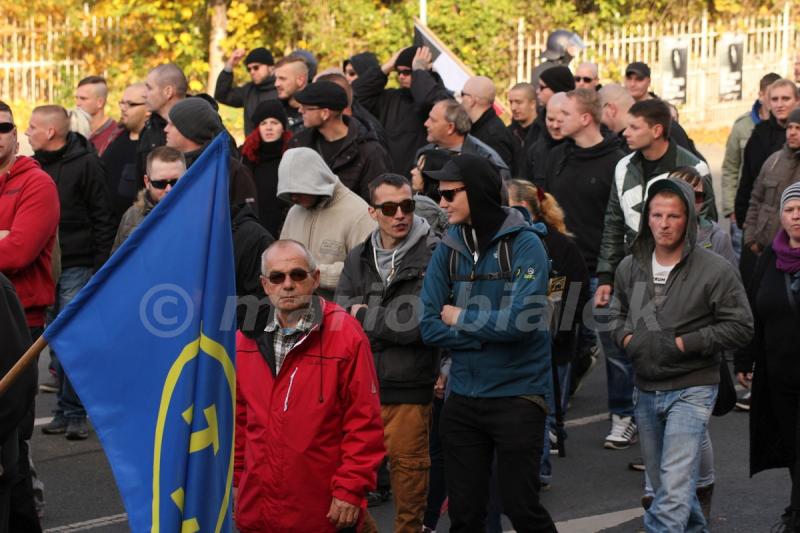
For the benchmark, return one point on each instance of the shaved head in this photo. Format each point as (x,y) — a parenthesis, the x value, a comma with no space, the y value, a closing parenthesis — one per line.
(527,90)
(170,75)
(614,93)
(587,69)
(54,116)
(481,88)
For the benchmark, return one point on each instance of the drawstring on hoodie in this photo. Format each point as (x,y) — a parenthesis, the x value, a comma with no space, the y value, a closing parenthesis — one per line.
(378,267)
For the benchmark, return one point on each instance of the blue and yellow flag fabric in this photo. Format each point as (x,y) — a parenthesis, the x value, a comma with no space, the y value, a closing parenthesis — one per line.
(149,347)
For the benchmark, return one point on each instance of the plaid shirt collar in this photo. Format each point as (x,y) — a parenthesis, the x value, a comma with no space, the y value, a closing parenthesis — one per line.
(304,325)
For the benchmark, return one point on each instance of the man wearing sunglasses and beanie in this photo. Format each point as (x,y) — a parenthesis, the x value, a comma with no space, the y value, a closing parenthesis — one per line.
(484,298)
(309,437)
(165,166)
(380,286)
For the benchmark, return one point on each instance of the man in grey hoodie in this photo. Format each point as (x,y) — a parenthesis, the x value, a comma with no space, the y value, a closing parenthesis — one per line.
(676,307)
(380,286)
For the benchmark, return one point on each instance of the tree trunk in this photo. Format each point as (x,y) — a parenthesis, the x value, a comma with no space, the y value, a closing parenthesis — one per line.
(218,32)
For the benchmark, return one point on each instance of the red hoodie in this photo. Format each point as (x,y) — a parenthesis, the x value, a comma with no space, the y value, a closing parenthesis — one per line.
(310,433)
(29,210)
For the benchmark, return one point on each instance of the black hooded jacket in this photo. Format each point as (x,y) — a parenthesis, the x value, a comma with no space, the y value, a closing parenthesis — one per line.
(247,96)
(767,138)
(491,130)
(402,112)
(360,158)
(580,180)
(152,136)
(250,239)
(537,156)
(241,187)
(86,229)
(17,402)
(523,139)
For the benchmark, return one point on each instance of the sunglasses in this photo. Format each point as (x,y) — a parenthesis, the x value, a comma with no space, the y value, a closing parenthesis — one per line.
(251,68)
(584,79)
(404,72)
(390,208)
(296,275)
(450,194)
(6,127)
(127,103)
(162,184)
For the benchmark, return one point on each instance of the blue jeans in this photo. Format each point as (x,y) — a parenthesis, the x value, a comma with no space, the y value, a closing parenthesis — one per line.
(545,469)
(736,239)
(619,371)
(70,283)
(672,426)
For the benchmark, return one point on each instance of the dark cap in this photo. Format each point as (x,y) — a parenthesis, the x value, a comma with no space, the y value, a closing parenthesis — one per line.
(271,108)
(638,68)
(559,78)
(325,94)
(259,55)
(406,57)
(794,116)
(449,172)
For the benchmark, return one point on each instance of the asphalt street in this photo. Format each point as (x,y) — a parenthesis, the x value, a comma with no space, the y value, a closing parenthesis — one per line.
(592,490)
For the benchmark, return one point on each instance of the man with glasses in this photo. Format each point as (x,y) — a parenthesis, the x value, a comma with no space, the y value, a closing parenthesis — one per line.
(327,217)
(587,76)
(309,437)
(352,152)
(402,111)
(260,67)
(165,166)
(380,283)
(120,156)
(477,97)
(484,299)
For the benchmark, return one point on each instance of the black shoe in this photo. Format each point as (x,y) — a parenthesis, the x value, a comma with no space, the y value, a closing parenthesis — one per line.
(743,403)
(581,368)
(378,497)
(77,429)
(56,426)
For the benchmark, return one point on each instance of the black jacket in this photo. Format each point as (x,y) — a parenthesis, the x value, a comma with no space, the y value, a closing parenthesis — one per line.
(773,350)
(272,210)
(17,402)
(402,112)
(523,139)
(152,136)
(491,130)
(120,162)
(86,229)
(241,188)
(247,96)
(406,368)
(536,158)
(360,159)
(250,239)
(580,180)
(295,118)
(767,138)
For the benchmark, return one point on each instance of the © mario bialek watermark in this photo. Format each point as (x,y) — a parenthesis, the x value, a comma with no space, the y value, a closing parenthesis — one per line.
(167,310)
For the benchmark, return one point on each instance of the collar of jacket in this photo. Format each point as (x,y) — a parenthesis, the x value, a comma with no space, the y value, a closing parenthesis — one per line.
(412,259)
(266,314)
(666,163)
(484,118)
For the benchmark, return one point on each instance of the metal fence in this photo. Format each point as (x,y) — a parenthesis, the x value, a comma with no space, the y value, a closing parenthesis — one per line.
(41,60)
(765,43)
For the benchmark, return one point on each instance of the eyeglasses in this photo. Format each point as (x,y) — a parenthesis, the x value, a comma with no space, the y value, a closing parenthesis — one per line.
(584,79)
(296,275)
(404,72)
(389,209)
(127,103)
(450,194)
(7,127)
(162,184)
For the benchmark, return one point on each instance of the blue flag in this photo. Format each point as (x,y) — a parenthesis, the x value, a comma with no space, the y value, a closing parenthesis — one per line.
(149,346)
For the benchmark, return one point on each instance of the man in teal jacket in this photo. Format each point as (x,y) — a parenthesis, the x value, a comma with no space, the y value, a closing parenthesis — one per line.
(485,299)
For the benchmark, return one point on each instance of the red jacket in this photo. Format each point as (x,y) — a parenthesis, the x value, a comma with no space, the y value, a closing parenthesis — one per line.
(310,433)
(30,210)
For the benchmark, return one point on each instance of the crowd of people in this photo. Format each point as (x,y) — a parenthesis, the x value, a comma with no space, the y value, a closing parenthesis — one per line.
(423,287)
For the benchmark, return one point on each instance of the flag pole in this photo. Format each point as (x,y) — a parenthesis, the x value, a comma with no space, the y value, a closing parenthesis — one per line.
(27,358)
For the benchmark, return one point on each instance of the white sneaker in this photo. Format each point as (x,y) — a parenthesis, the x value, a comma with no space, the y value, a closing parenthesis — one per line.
(623,433)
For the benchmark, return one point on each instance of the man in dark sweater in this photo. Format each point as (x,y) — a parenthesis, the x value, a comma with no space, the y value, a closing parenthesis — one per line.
(86,231)
(379,278)
(477,97)
(291,77)
(260,67)
(524,128)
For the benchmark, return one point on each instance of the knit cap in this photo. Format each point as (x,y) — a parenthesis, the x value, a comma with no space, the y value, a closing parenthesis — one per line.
(792,192)
(271,108)
(196,120)
(559,79)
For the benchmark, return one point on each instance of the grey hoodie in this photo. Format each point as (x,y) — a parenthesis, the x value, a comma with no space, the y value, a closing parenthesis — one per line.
(704,303)
(387,261)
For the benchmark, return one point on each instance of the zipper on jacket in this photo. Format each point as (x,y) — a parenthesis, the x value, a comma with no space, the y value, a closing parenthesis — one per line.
(289,391)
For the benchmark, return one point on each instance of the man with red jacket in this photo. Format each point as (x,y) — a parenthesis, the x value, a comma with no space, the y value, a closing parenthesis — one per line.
(309,436)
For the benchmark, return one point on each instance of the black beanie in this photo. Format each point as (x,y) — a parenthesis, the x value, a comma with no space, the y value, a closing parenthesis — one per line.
(259,55)
(794,116)
(559,78)
(196,120)
(406,57)
(271,108)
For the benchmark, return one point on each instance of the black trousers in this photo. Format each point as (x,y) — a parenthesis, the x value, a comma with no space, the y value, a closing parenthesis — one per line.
(472,431)
(786,405)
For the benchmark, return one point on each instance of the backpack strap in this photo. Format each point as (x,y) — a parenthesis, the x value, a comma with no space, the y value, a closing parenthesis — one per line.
(504,257)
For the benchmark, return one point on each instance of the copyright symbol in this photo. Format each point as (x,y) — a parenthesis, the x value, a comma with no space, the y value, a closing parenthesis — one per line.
(162,307)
